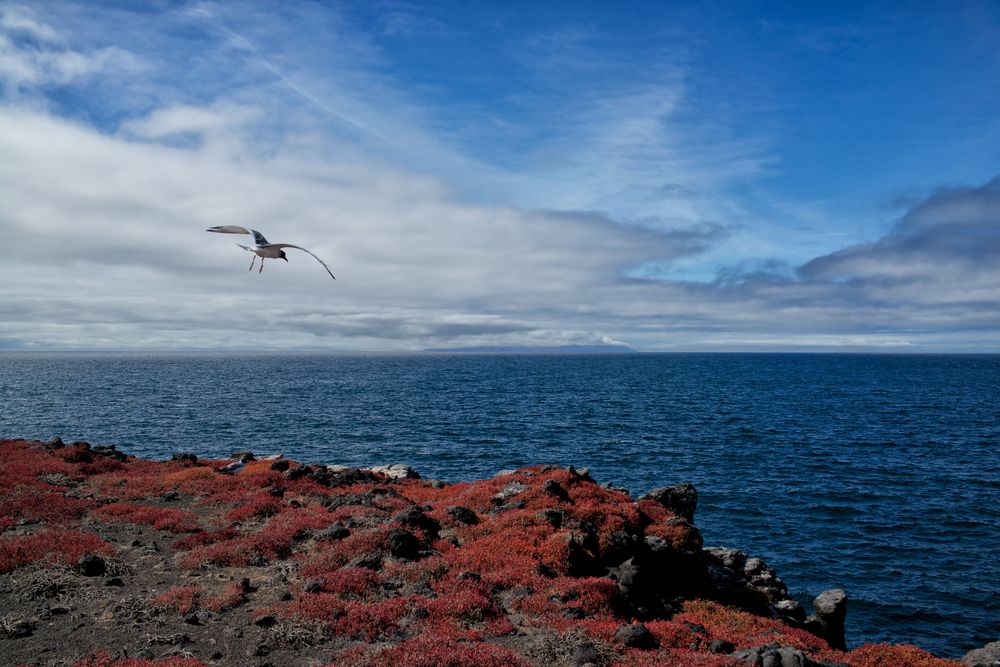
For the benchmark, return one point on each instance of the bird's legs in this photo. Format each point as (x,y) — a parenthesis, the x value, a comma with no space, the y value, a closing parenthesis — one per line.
(254,259)
(261,265)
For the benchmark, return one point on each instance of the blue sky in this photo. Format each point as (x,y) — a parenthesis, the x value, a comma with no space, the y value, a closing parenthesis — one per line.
(670,176)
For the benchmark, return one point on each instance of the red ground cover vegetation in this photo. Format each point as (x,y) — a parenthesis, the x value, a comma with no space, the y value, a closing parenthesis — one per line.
(182,598)
(443,575)
(48,547)
(190,597)
(161,518)
(883,655)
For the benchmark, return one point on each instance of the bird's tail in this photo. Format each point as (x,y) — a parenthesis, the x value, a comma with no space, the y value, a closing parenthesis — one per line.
(247,248)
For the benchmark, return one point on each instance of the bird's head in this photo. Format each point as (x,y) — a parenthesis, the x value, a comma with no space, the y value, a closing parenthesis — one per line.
(282,255)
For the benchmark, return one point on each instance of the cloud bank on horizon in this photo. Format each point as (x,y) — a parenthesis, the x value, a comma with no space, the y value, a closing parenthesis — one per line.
(673,178)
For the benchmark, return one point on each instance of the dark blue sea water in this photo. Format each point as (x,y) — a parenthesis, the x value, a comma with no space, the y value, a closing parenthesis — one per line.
(878,474)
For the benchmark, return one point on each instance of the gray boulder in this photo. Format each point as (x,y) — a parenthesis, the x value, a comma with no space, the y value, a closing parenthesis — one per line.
(397,471)
(987,656)
(773,655)
(828,621)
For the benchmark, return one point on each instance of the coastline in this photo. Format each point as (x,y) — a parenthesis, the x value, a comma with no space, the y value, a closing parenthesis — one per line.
(106,558)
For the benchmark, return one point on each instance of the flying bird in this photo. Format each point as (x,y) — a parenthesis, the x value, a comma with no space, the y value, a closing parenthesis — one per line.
(261,248)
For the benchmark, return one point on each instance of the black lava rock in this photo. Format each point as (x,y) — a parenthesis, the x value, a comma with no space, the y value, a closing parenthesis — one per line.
(554,517)
(463,515)
(682,499)
(773,655)
(91,565)
(369,561)
(335,531)
(20,628)
(721,646)
(636,635)
(403,545)
(416,519)
(554,488)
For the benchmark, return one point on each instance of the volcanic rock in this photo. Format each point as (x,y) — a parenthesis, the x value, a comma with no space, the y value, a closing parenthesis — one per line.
(463,515)
(636,635)
(91,565)
(554,488)
(509,491)
(682,499)
(987,656)
(721,646)
(553,517)
(586,653)
(416,519)
(403,545)
(19,628)
(335,531)
(773,655)
(828,621)
(397,471)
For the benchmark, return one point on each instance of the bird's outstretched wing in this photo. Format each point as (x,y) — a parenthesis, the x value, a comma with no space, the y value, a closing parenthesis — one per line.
(289,245)
(258,238)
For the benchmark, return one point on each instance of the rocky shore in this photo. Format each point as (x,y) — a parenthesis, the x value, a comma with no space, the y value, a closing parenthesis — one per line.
(107,559)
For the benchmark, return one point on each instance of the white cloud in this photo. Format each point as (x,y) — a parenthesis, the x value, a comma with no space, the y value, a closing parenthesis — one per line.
(182,119)
(100,220)
(109,251)
(16,19)
(46,60)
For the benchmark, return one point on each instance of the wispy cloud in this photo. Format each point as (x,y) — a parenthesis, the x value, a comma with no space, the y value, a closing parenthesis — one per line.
(34,54)
(17,20)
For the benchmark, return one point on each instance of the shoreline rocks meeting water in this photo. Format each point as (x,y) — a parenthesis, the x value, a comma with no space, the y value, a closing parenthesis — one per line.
(108,559)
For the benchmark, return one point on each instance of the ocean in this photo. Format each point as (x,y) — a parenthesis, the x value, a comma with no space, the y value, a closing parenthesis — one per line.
(879,474)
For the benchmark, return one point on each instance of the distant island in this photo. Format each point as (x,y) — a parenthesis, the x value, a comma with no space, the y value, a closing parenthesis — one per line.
(536,349)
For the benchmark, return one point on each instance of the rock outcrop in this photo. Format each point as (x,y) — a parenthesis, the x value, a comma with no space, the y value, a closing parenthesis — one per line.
(288,564)
(828,620)
(987,656)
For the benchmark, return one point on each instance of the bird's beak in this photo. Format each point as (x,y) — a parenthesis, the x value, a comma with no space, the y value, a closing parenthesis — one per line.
(285,258)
